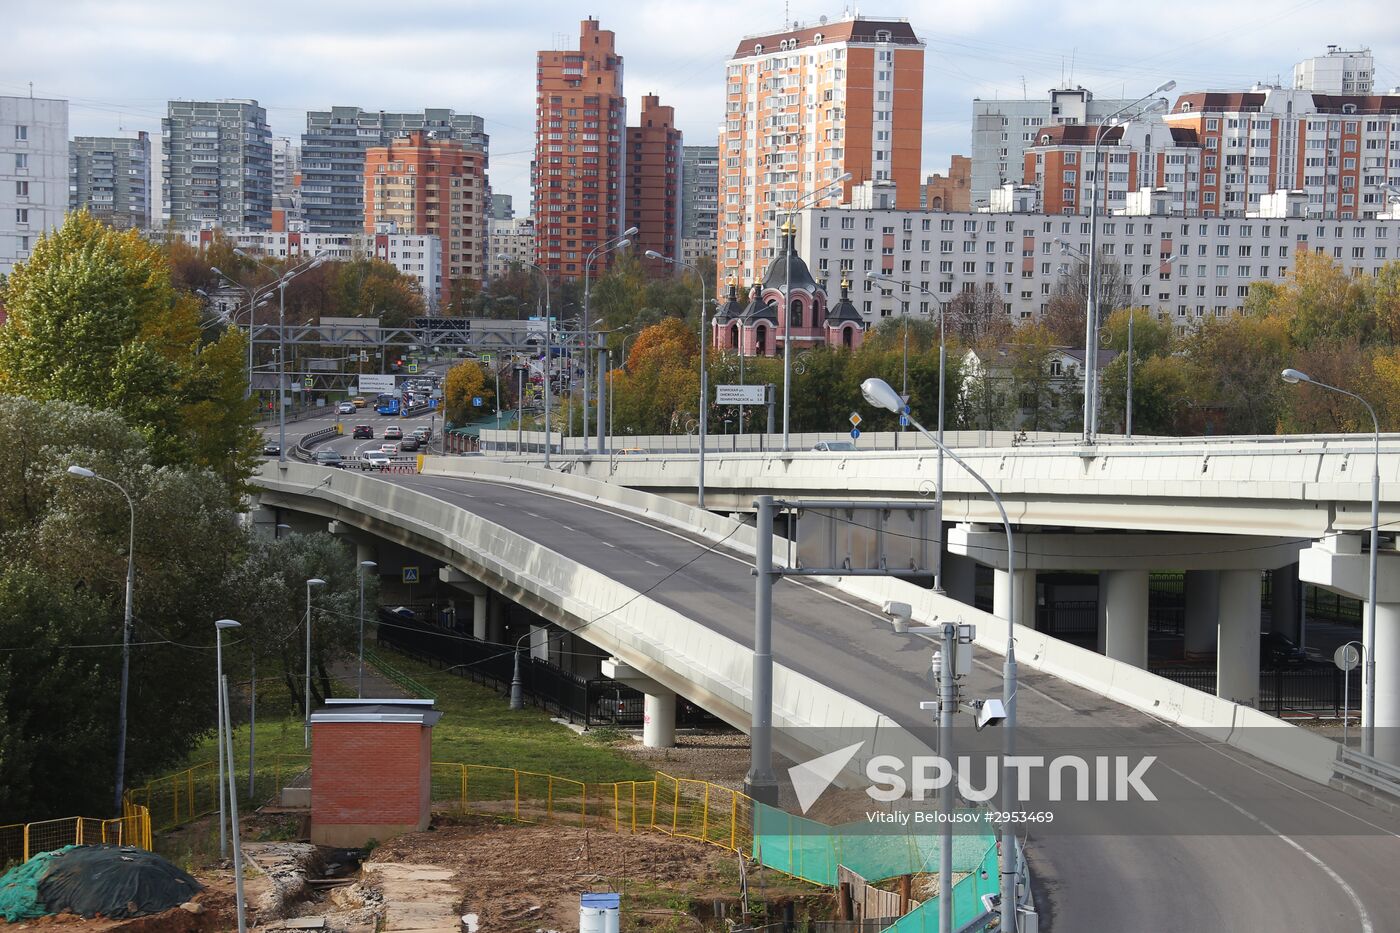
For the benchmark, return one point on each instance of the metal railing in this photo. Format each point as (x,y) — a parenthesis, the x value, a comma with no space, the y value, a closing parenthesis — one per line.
(19,842)
(1284,690)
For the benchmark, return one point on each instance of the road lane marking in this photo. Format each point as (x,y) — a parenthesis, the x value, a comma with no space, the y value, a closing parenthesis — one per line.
(1366,925)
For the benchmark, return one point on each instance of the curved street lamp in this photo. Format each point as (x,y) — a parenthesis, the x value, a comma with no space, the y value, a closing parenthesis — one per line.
(704,373)
(878,393)
(1368,698)
(306,687)
(607,246)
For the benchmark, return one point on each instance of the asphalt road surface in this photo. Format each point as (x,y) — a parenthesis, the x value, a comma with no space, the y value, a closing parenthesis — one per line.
(1256,849)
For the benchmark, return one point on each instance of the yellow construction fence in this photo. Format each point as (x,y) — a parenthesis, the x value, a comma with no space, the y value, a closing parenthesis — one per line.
(21,841)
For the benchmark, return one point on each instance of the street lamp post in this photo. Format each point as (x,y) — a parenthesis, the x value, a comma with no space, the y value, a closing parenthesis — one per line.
(612,390)
(704,373)
(942,380)
(548,362)
(225,736)
(1368,698)
(790,229)
(1091,323)
(878,392)
(603,248)
(366,566)
(257,298)
(306,687)
(85,473)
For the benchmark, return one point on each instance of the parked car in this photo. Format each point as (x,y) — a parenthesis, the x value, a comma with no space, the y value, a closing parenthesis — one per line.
(346,408)
(409,443)
(329,458)
(1277,650)
(358,402)
(393,432)
(832,446)
(362,430)
(376,460)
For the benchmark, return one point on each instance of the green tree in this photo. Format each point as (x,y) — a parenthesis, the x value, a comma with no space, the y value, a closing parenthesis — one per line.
(464,381)
(94,319)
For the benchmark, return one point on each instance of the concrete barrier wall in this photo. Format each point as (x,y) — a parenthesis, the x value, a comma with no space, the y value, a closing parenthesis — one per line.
(1287,746)
(680,653)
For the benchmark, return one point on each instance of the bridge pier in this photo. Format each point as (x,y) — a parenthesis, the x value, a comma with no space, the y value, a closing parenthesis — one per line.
(1237,650)
(1284,598)
(1202,612)
(1124,600)
(1024,596)
(960,577)
(1338,563)
(477,590)
(658,703)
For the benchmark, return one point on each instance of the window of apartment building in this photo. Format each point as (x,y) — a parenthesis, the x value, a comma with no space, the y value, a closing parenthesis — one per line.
(21,161)
(21,189)
(22,215)
(21,132)
(969,268)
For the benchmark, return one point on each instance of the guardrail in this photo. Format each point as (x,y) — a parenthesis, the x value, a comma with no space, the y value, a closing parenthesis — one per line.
(1374,775)
(302,450)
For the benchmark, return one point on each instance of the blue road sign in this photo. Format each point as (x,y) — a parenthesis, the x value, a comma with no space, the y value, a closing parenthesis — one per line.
(410,574)
(904,421)
(476,401)
(855,433)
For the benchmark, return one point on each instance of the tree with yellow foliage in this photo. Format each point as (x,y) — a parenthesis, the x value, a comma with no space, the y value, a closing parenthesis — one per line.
(464,381)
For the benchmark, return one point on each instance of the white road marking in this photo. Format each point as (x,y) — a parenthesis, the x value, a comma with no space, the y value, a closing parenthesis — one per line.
(1366,925)
(531,514)
(652,562)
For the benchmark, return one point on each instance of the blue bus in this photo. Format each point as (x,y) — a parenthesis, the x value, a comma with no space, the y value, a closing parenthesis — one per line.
(387,404)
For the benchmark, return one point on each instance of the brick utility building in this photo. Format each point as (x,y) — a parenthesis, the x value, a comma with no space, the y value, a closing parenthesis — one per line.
(654,164)
(372,770)
(579,170)
(424,185)
(805,105)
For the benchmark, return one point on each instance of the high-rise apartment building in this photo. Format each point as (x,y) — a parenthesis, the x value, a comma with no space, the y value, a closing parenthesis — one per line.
(803,107)
(1339,149)
(1142,154)
(699,192)
(1002,130)
(217,164)
(333,156)
(502,207)
(110,177)
(425,185)
(653,203)
(513,239)
(1340,71)
(33,173)
(580,120)
(286,165)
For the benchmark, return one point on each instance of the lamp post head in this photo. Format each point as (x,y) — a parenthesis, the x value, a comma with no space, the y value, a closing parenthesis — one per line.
(653,254)
(1165,87)
(315,581)
(1290,376)
(878,393)
(318,261)
(368,565)
(227,623)
(84,472)
(217,271)
(630,231)
(623,244)
(503,257)
(237,251)
(844,178)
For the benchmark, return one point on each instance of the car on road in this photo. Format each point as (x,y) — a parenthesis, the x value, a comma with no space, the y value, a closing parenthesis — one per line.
(376,460)
(1277,650)
(346,408)
(835,446)
(423,433)
(358,402)
(362,430)
(393,432)
(271,450)
(409,443)
(389,449)
(328,458)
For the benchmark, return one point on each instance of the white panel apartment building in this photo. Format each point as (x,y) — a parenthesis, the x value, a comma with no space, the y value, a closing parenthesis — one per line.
(418,256)
(513,239)
(1016,256)
(33,173)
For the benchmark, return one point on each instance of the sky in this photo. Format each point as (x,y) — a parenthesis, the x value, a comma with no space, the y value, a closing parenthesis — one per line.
(119,61)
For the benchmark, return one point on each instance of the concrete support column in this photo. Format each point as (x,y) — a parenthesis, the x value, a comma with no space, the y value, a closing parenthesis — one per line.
(1124,598)
(1025,596)
(479,616)
(1237,655)
(960,578)
(1202,611)
(365,551)
(659,718)
(1387,681)
(1283,602)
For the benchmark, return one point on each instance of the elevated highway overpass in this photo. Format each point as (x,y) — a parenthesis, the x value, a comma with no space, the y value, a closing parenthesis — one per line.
(667,590)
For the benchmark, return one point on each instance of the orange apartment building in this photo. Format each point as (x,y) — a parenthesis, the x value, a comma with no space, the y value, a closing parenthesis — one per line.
(802,108)
(580,120)
(951,192)
(432,186)
(1135,156)
(654,182)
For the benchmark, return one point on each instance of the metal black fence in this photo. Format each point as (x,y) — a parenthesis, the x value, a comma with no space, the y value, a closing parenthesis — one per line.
(1300,689)
(1166,603)
(1072,620)
(595,701)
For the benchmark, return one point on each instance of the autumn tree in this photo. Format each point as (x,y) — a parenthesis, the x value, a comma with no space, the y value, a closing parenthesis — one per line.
(95,319)
(465,381)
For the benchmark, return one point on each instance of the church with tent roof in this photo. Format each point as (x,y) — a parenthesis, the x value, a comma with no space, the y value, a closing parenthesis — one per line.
(753,324)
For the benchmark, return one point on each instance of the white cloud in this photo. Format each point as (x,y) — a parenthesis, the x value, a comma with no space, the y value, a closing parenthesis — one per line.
(118,63)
